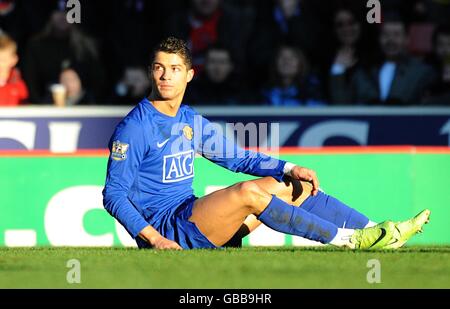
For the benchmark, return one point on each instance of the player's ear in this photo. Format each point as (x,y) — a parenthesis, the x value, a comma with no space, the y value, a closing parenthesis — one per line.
(190,75)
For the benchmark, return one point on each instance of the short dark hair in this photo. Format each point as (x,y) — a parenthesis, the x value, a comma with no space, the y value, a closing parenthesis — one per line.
(177,46)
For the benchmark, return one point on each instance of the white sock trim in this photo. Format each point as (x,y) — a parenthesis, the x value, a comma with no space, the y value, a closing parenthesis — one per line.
(342,238)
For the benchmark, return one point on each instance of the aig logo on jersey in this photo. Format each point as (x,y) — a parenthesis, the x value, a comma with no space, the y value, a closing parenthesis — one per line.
(119,151)
(178,166)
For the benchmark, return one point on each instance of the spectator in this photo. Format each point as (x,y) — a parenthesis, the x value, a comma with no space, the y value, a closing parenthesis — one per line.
(351,49)
(70,90)
(133,86)
(396,79)
(60,42)
(218,83)
(22,19)
(207,22)
(133,27)
(439,93)
(14,21)
(288,22)
(13,90)
(292,83)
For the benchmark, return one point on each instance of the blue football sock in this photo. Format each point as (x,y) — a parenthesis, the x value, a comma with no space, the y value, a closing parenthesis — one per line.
(333,210)
(289,219)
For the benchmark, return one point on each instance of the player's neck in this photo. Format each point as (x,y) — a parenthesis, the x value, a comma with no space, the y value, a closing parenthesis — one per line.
(166,107)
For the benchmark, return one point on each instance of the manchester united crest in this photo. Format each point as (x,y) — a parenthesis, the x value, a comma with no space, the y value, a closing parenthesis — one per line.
(188,132)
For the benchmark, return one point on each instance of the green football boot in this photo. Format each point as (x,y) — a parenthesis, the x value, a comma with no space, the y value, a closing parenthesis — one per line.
(404,230)
(376,237)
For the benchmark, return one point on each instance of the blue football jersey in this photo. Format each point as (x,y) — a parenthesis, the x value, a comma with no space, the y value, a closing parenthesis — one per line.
(151,164)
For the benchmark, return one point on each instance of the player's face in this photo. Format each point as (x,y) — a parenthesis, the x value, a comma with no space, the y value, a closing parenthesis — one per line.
(169,76)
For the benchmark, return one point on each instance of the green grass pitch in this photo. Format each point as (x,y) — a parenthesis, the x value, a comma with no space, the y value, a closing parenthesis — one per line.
(261,267)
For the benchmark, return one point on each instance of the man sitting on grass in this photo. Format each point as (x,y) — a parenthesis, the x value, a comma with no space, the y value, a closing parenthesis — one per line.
(151,168)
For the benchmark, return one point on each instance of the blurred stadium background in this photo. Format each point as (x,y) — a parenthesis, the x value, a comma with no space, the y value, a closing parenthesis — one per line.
(366,105)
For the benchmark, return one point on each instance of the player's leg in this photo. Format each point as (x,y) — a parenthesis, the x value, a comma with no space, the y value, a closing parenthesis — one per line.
(220,214)
(291,191)
(298,193)
(331,209)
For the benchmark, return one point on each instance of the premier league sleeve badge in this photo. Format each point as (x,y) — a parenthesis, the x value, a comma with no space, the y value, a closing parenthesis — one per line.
(119,151)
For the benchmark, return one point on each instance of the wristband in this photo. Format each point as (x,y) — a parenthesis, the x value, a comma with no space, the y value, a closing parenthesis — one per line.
(288,168)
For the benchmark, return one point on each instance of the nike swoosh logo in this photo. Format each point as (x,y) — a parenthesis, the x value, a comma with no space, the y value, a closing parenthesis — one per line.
(383,234)
(393,242)
(163,143)
(394,239)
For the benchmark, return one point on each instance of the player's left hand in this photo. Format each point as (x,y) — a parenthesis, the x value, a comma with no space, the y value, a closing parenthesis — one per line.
(306,174)
(163,243)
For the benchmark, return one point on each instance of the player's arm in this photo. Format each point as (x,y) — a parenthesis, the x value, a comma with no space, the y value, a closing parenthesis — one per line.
(236,159)
(128,146)
(220,150)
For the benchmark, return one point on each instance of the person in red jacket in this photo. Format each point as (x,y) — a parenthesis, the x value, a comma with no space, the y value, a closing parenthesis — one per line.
(13,90)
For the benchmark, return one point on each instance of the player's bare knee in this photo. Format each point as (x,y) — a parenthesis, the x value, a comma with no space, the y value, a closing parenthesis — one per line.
(252,195)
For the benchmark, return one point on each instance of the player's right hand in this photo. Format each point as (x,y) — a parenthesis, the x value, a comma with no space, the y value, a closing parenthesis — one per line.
(163,243)
(306,174)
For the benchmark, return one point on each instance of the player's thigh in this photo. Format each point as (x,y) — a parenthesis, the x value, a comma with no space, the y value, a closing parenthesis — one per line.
(219,215)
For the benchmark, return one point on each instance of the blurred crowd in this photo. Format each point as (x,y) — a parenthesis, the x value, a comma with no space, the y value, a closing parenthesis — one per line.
(245,52)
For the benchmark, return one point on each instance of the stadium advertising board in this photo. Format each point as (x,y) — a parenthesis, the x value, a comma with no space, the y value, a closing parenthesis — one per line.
(71,129)
(56,200)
